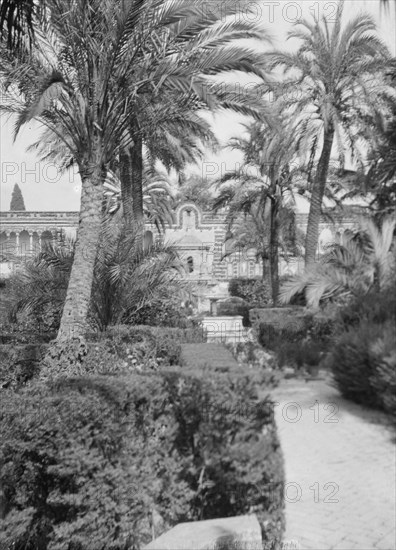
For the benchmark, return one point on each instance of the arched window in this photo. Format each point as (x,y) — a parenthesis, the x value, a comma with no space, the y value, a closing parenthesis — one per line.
(24,243)
(190,264)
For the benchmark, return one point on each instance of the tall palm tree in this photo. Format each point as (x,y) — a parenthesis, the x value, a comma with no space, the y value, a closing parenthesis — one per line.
(71,81)
(263,189)
(337,80)
(208,45)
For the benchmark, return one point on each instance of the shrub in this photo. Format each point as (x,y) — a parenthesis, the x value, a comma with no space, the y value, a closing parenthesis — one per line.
(84,465)
(233,306)
(383,353)
(254,291)
(363,356)
(352,364)
(119,350)
(99,461)
(165,312)
(373,307)
(299,354)
(19,364)
(273,337)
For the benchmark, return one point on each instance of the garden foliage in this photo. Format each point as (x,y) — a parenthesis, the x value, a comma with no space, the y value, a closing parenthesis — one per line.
(254,291)
(99,461)
(363,355)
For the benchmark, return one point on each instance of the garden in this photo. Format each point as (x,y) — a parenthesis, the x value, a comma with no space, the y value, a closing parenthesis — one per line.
(109,436)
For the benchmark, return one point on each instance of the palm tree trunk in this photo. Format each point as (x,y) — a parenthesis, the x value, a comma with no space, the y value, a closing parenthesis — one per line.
(75,311)
(311,240)
(274,251)
(126,186)
(137,182)
(267,272)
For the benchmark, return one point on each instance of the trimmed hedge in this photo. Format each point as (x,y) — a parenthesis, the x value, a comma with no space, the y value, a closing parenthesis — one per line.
(120,350)
(234,306)
(104,462)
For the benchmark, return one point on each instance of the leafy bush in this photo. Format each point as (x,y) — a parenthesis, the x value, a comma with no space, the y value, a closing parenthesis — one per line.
(121,349)
(129,283)
(363,361)
(318,330)
(383,353)
(86,463)
(374,307)
(19,364)
(96,462)
(363,355)
(273,337)
(165,311)
(234,306)
(299,354)
(254,291)
(25,331)
(352,364)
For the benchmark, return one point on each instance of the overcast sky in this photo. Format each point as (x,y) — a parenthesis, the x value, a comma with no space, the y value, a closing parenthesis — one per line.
(44,189)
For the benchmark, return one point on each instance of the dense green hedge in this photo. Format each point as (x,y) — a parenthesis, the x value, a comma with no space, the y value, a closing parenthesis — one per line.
(104,461)
(300,340)
(254,291)
(121,349)
(363,355)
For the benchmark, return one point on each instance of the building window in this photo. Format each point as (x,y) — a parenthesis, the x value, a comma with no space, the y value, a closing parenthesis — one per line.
(190,264)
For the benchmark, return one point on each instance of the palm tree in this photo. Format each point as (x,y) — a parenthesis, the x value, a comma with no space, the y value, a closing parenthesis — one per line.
(157,193)
(263,189)
(71,82)
(361,262)
(157,198)
(209,46)
(336,76)
(127,279)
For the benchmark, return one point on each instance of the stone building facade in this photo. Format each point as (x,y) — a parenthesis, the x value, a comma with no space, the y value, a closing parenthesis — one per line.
(199,236)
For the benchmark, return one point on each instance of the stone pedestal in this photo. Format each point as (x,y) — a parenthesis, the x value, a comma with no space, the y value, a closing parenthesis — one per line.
(224,329)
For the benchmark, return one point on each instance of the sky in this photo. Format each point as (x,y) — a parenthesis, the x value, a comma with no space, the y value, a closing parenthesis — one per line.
(45,189)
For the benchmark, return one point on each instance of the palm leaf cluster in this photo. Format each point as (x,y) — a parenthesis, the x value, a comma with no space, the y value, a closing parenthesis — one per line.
(127,280)
(362,261)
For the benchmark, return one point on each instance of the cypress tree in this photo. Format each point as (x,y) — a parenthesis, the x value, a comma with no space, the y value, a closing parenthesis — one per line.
(17,202)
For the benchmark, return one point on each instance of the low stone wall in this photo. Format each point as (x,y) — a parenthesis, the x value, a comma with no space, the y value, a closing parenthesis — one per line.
(236,533)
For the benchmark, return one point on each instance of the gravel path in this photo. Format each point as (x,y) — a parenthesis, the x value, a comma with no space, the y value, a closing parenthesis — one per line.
(340,469)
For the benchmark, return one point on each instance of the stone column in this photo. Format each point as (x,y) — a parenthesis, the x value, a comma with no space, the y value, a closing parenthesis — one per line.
(17,243)
(31,241)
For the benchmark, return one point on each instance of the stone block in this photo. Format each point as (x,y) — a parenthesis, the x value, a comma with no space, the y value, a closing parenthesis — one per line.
(236,533)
